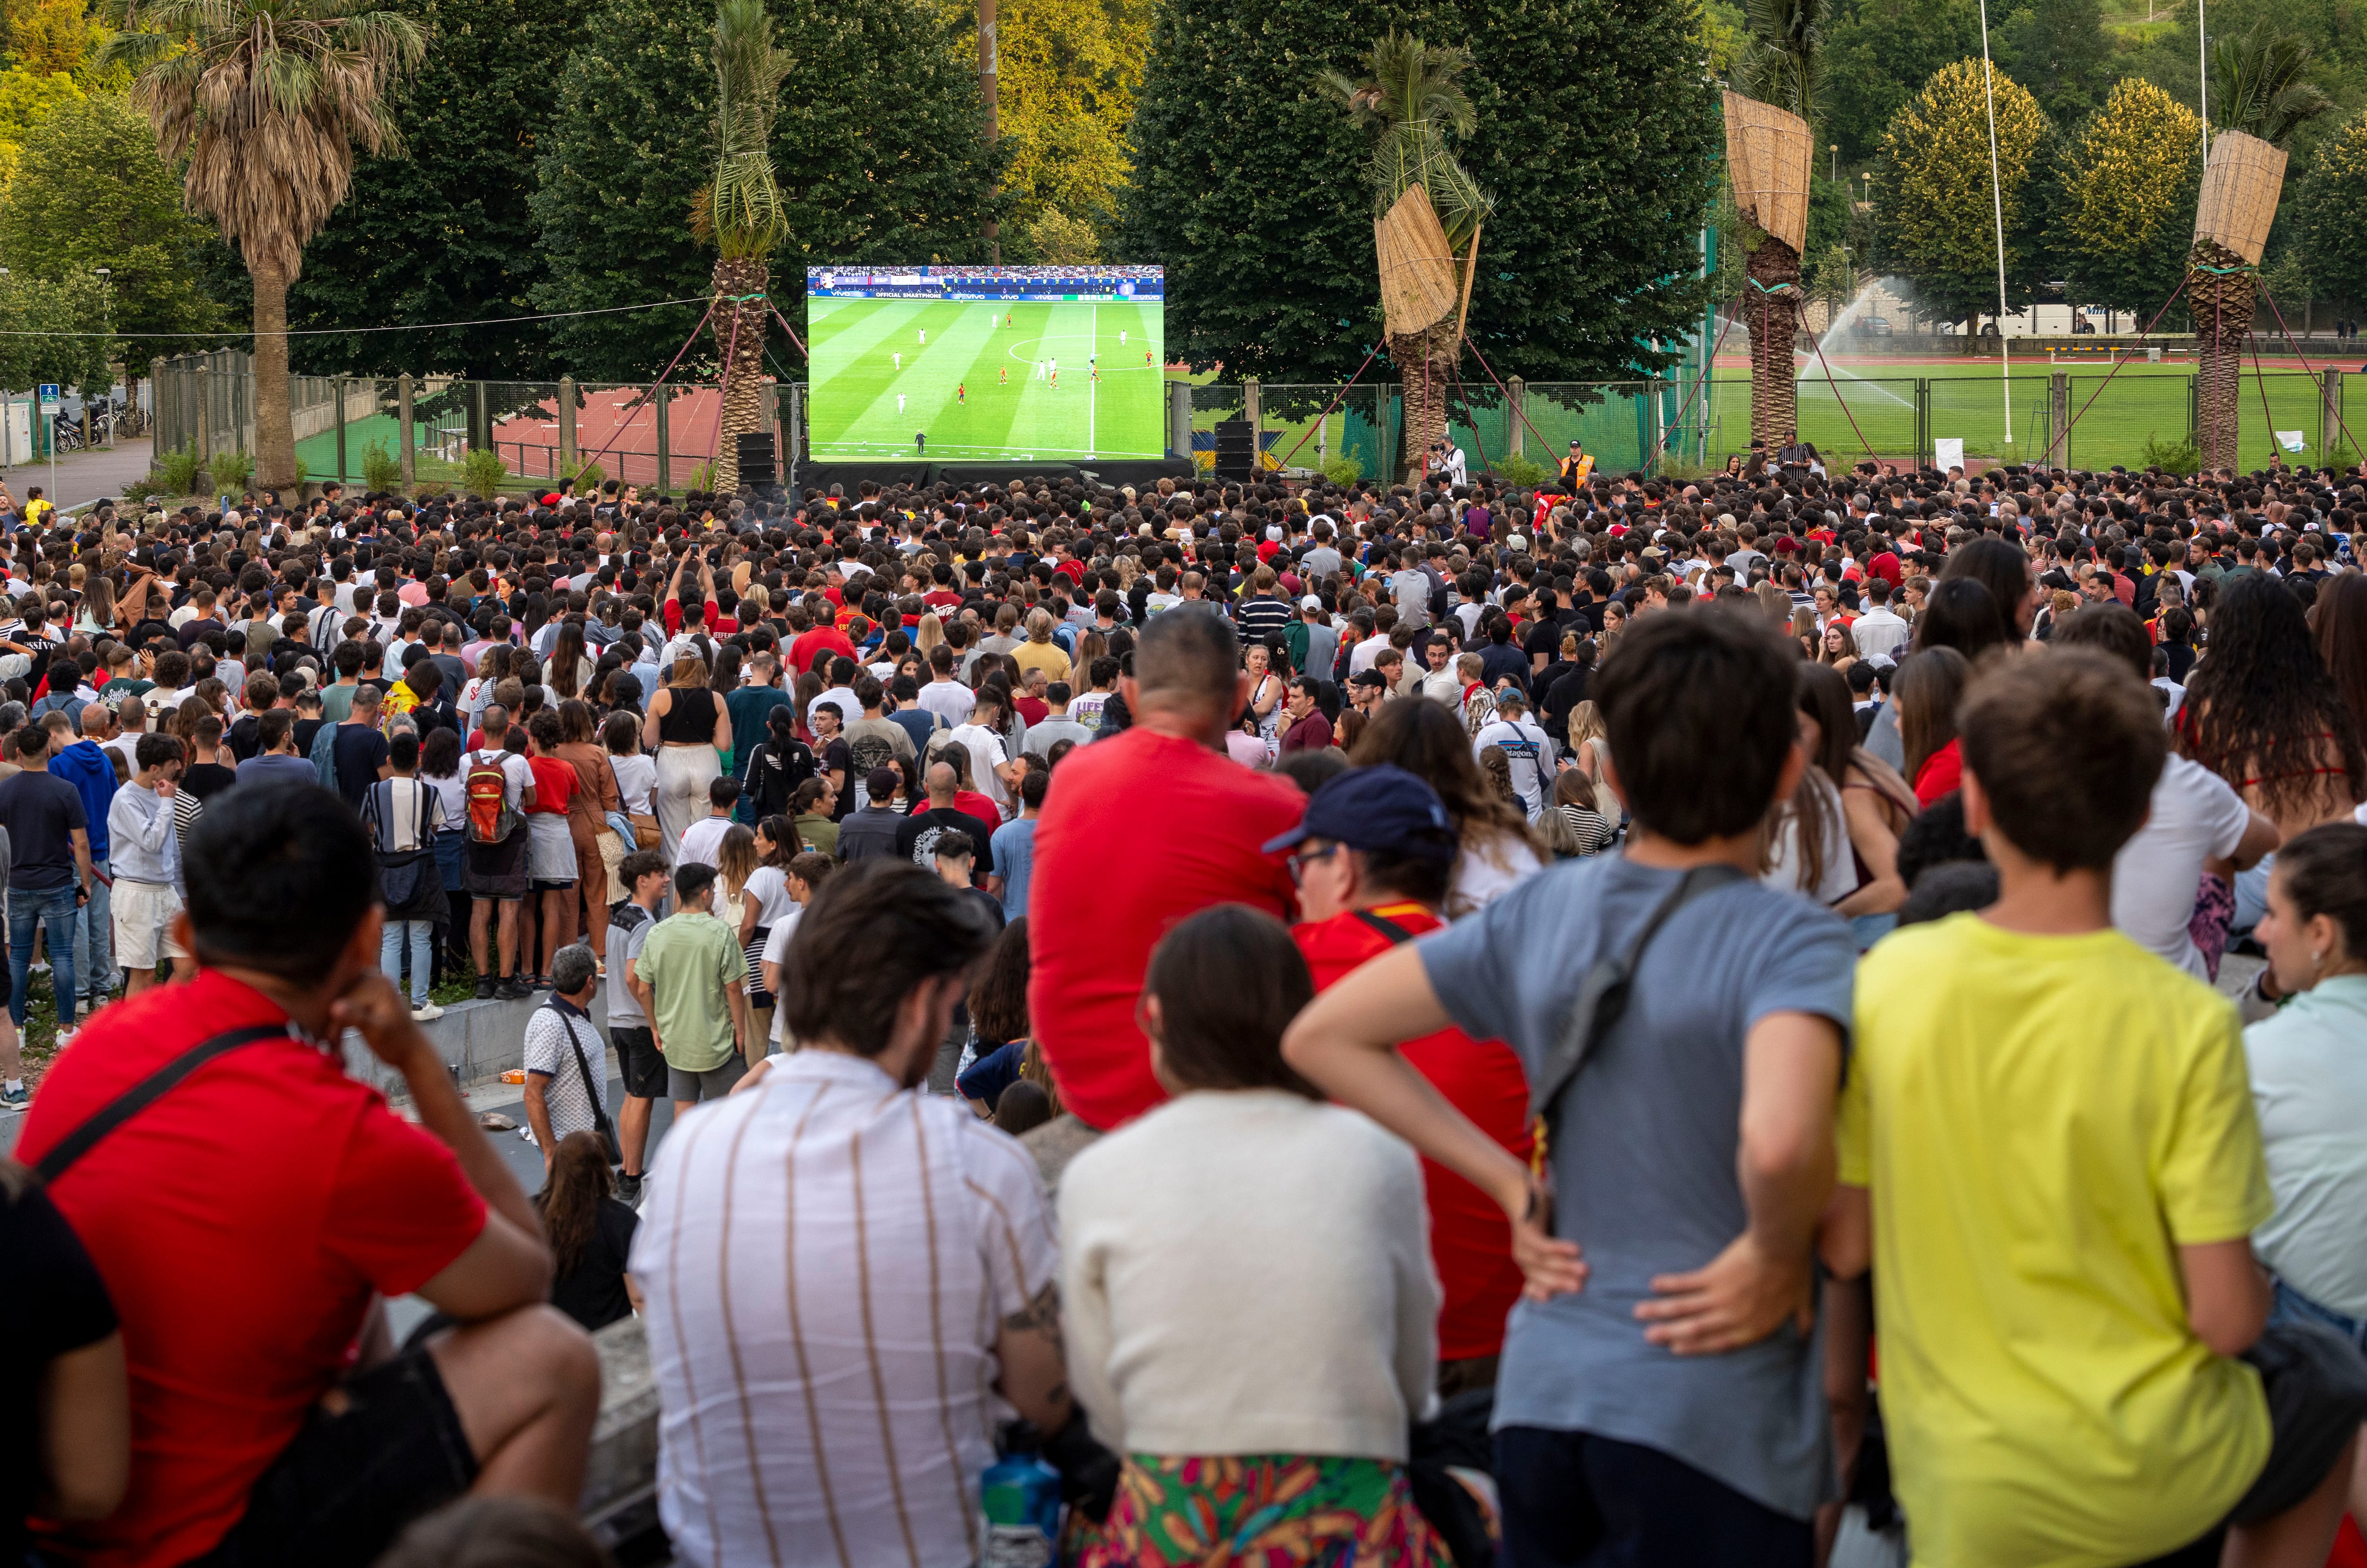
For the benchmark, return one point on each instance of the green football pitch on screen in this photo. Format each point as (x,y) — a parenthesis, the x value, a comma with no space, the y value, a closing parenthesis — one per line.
(1068,382)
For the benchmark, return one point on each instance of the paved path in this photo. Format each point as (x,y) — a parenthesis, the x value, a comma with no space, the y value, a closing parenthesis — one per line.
(82,476)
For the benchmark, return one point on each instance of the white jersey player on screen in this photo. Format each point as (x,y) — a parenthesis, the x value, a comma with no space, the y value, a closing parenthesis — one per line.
(925,337)
(900,359)
(1121,337)
(900,403)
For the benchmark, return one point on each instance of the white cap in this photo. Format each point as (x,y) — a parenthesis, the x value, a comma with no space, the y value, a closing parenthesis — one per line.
(1311,602)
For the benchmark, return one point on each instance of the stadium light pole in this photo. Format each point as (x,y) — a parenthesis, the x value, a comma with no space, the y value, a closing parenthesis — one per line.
(986,89)
(1996,200)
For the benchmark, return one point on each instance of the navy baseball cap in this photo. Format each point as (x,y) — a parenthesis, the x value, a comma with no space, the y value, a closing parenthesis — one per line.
(1381,807)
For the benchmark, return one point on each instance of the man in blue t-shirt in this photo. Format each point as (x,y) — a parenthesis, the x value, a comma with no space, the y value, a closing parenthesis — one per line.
(49,872)
(1660,1398)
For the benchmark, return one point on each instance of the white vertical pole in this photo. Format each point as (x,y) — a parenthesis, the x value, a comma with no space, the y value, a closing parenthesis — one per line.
(2202,77)
(1997,203)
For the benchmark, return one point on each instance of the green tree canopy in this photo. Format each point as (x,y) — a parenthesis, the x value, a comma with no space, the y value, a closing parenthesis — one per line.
(2059,51)
(877,145)
(89,192)
(1934,222)
(443,234)
(41,305)
(1877,52)
(1249,184)
(2128,177)
(2324,211)
(1064,84)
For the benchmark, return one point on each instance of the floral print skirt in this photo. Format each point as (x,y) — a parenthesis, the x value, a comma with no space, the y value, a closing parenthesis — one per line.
(1260,1511)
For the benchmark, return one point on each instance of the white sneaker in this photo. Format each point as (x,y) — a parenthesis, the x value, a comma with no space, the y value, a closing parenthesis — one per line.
(65,1038)
(426,1013)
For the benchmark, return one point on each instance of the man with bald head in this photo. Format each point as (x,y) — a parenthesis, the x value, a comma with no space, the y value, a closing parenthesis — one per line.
(1103,890)
(916,840)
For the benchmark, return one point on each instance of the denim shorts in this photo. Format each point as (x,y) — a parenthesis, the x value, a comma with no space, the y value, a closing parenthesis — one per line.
(2290,1306)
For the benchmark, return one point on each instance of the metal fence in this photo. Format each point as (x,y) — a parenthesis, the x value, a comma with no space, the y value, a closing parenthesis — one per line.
(421,430)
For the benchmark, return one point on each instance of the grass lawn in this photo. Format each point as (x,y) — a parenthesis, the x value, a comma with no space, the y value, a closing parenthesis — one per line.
(1006,381)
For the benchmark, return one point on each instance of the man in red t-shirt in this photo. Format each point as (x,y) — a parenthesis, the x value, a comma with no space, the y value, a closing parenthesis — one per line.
(1103,890)
(248,1219)
(1375,856)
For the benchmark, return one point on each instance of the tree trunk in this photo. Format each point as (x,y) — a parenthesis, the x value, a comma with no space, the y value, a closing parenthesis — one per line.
(2219,295)
(274,429)
(739,344)
(1772,313)
(1426,366)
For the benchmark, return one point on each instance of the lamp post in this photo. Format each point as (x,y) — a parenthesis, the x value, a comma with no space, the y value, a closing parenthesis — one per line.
(1835,149)
(106,326)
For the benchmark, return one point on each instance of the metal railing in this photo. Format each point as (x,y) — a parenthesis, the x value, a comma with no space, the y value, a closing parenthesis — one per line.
(419,431)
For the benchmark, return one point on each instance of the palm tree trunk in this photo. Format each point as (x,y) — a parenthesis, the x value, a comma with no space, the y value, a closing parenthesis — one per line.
(2219,295)
(274,429)
(1426,365)
(1773,313)
(739,345)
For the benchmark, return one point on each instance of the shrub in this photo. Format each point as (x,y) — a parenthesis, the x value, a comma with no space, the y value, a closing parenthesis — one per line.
(382,470)
(482,474)
(1342,470)
(231,470)
(180,472)
(2177,457)
(589,481)
(701,478)
(1519,470)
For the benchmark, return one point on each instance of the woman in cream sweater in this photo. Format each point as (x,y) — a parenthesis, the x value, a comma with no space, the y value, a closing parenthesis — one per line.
(1248,1292)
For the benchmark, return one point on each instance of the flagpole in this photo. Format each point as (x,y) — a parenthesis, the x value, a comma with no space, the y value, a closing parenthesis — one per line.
(1996,202)
(2202,77)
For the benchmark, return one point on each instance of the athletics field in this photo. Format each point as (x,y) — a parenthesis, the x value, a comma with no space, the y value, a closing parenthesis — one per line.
(986,380)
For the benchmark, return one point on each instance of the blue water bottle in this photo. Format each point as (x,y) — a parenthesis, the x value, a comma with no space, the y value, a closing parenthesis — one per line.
(1019,1497)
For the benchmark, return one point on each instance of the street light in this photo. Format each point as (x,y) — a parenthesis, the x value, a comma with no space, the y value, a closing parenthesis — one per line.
(1836,168)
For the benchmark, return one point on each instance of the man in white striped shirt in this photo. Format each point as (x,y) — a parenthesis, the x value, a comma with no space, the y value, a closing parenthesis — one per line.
(849,1282)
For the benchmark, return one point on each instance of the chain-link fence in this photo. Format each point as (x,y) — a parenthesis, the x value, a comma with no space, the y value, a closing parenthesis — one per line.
(421,431)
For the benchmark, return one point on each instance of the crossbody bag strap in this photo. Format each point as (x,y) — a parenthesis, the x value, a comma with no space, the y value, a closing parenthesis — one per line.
(1602,995)
(1385,925)
(599,1115)
(143,1093)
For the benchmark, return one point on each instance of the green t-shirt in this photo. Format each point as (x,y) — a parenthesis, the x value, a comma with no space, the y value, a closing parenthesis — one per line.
(687,962)
(337,702)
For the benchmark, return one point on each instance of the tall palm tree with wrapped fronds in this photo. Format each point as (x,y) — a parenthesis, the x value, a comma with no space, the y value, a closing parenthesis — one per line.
(1782,63)
(742,212)
(267,101)
(1411,98)
(2258,88)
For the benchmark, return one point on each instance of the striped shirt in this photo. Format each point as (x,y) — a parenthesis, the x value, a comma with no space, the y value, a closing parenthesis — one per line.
(828,1260)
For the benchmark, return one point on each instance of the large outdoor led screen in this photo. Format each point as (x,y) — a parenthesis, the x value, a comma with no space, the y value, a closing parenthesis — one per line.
(1025,364)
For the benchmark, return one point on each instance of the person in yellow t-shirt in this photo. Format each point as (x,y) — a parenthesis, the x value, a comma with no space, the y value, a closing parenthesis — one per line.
(2048,1149)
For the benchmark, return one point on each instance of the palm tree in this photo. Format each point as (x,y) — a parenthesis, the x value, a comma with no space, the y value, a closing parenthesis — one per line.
(2260,92)
(1781,64)
(742,212)
(1411,98)
(266,100)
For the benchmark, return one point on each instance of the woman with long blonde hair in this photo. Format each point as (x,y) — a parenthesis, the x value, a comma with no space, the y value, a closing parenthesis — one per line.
(1590,741)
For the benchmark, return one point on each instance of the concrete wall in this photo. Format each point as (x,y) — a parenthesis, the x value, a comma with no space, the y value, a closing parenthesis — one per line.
(479,1040)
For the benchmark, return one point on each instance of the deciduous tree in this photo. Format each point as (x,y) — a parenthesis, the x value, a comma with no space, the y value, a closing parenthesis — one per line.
(90,192)
(2127,178)
(1934,220)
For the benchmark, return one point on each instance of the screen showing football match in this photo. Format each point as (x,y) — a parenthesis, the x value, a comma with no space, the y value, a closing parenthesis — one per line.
(1006,364)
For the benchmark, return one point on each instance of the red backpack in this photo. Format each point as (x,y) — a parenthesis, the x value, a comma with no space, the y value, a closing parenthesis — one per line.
(486,787)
